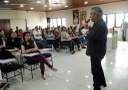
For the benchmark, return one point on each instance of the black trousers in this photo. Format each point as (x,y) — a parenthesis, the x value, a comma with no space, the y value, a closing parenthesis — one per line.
(124,35)
(97,71)
(77,41)
(70,44)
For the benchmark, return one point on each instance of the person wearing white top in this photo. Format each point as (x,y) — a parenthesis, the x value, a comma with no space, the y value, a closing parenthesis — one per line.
(41,43)
(37,35)
(83,31)
(124,28)
(67,40)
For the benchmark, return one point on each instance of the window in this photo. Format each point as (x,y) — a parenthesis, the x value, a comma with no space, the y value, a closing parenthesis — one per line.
(59,22)
(54,22)
(111,20)
(51,22)
(105,18)
(52,2)
(126,17)
(64,21)
(119,18)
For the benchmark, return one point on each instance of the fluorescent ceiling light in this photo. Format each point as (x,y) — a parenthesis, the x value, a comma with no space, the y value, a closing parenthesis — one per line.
(6,1)
(16,4)
(64,2)
(66,6)
(85,2)
(31,8)
(38,2)
(54,1)
(21,5)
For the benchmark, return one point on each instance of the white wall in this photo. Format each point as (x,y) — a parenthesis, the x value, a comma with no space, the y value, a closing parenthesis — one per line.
(116,7)
(17,18)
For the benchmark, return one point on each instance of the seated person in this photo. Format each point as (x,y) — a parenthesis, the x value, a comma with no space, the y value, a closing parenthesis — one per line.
(4,54)
(51,40)
(83,31)
(67,40)
(82,37)
(37,35)
(2,35)
(29,46)
(56,34)
(20,33)
(13,42)
(43,32)
(74,38)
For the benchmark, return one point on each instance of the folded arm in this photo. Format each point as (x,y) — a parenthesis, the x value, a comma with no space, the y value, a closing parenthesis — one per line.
(29,50)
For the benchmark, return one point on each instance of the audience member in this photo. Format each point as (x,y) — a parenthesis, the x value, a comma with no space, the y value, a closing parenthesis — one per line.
(37,34)
(51,40)
(12,41)
(67,40)
(29,46)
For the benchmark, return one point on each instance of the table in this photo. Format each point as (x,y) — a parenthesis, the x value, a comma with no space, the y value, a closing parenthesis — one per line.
(4,61)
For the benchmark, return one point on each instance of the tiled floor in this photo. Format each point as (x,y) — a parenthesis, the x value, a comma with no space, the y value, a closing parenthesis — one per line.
(74,72)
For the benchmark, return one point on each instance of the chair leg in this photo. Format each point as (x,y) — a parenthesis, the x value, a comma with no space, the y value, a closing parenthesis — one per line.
(6,76)
(31,71)
(23,71)
(14,74)
(2,74)
(52,60)
(66,49)
(21,74)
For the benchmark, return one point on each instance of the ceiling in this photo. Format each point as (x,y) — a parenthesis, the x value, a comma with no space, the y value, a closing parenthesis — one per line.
(49,5)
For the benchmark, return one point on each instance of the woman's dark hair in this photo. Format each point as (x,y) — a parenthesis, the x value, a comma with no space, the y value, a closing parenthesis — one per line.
(9,37)
(24,34)
(63,28)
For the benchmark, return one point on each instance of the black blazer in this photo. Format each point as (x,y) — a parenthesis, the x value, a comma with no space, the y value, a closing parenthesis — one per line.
(97,38)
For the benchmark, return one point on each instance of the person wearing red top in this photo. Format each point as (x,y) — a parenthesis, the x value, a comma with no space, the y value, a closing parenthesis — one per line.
(20,33)
(56,33)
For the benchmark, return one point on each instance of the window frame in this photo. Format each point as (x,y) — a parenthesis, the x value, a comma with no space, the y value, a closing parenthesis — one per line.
(115,18)
(56,22)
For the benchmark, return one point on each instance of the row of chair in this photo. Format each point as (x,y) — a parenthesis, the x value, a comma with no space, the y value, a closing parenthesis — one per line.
(10,65)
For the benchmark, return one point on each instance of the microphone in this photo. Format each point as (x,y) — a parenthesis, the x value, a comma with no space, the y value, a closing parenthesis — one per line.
(87,21)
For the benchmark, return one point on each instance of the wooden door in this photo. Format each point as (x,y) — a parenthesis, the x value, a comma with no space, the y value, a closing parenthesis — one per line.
(5,26)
